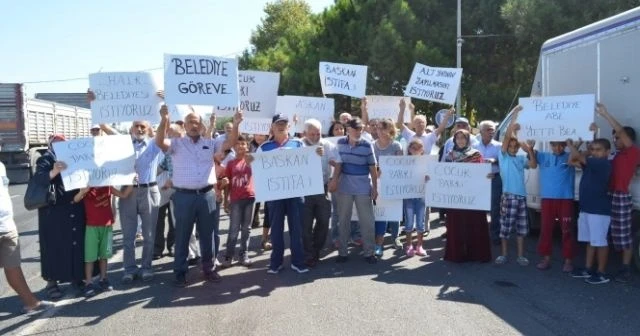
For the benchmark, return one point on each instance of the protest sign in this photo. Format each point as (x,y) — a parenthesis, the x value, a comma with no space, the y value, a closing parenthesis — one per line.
(200,80)
(345,79)
(556,118)
(258,94)
(255,126)
(387,107)
(403,176)
(124,96)
(383,210)
(178,112)
(97,161)
(438,85)
(458,186)
(300,109)
(287,173)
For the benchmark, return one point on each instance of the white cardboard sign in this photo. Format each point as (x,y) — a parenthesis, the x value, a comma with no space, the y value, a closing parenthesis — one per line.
(383,210)
(97,161)
(403,176)
(287,173)
(556,118)
(438,85)
(255,126)
(258,94)
(345,79)
(387,107)
(124,96)
(458,186)
(200,80)
(299,109)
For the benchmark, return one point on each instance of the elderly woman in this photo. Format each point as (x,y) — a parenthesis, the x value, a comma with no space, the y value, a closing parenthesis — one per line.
(467,234)
(61,226)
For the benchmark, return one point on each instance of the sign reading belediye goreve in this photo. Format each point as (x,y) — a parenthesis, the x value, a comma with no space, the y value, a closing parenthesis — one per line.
(96,161)
(556,118)
(200,80)
(258,94)
(438,85)
(345,79)
(124,96)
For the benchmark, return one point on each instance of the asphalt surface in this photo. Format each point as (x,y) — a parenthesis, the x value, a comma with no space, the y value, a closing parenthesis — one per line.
(398,296)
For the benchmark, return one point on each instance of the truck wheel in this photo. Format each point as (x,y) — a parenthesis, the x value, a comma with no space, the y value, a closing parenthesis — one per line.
(534,220)
(34,155)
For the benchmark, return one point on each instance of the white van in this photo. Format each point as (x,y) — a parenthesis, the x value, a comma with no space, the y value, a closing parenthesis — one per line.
(602,59)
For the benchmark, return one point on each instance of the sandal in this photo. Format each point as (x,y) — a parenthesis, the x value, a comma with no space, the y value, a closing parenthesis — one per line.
(544,265)
(266,245)
(53,292)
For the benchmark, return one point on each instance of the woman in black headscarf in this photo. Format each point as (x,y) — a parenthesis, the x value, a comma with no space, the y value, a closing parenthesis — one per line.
(61,226)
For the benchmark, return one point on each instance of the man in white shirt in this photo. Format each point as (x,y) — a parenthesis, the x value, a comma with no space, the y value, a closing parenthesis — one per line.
(420,125)
(490,150)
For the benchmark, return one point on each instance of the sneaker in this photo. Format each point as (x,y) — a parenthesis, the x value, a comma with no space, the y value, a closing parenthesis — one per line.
(105,285)
(139,238)
(378,251)
(147,276)
(300,270)
(226,263)
(216,263)
(40,308)
(180,281)
(420,251)
(245,260)
(341,259)
(397,243)
(274,270)
(266,245)
(581,273)
(409,251)
(127,279)
(212,276)
(89,290)
(624,275)
(371,260)
(501,260)
(522,261)
(597,278)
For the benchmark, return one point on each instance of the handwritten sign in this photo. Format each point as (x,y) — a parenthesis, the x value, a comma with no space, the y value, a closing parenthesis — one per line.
(305,108)
(458,186)
(200,80)
(255,126)
(178,112)
(387,107)
(383,210)
(124,96)
(438,85)
(556,118)
(97,161)
(403,176)
(287,173)
(258,94)
(345,79)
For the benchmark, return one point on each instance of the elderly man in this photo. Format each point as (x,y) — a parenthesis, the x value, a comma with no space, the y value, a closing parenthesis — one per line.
(490,150)
(420,126)
(144,202)
(316,207)
(460,123)
(355,181)
(194,199)
(344,117)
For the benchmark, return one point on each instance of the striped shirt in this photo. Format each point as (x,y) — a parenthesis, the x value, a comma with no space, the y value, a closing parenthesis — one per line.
(147,159)
(355,161)
(192,162)
(270,145)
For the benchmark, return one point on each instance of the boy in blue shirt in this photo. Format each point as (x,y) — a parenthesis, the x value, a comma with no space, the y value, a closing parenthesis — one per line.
(595,207)
(513,205)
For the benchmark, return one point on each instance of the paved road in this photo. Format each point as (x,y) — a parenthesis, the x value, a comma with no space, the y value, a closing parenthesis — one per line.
(418,296)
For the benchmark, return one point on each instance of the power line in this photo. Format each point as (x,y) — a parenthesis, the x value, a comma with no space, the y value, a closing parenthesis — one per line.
(85,78)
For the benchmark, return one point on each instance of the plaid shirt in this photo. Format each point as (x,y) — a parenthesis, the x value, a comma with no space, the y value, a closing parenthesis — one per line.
(193,166)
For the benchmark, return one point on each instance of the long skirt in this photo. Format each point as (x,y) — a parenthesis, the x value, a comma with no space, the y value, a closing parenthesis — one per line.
(467,236)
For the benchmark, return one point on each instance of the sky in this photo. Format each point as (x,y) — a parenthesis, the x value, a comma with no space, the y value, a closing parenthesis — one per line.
(64,39)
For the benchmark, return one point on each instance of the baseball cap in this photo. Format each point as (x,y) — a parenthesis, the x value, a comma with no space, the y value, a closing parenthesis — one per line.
(95,126)
(462,120)
(279,117)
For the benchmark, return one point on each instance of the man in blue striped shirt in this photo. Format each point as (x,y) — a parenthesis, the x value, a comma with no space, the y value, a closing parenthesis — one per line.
(355,181)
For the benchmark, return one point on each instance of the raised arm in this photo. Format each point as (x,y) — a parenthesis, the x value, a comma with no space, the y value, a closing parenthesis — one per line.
(162,129)
(232,138)
(620,133)
(212,126)
(400,121)
(576,158)
(531,155)
(444,121)
(364,111)
(513,127)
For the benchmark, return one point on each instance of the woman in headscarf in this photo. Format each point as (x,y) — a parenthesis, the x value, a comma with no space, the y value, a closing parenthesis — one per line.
(467,230)
(61,226)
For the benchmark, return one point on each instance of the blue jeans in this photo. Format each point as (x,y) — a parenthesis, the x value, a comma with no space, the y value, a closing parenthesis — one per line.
(496,194)
(240,222)
(216,230)
(414,208)
(292,208)
(335,231)
(381,228)
(190,208)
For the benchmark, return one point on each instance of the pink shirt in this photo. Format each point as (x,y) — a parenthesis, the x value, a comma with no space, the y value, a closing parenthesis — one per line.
(192,162)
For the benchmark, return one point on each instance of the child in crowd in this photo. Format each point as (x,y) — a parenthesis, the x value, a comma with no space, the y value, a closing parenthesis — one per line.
(99,232)
(414,211)
(240,197)
(624,166)
(595,207)
(557,183)
(513,203)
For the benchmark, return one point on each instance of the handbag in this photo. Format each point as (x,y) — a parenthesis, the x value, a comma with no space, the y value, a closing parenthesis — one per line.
(38,196)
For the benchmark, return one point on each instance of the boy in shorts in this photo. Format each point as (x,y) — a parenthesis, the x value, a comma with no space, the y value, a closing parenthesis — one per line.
(513,204)
(595,207)
(98,237)
(624,166)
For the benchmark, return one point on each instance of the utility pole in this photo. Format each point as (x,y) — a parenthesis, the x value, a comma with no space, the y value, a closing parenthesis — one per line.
(459,42)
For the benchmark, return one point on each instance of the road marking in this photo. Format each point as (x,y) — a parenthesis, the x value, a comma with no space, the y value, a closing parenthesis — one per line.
(15,196)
